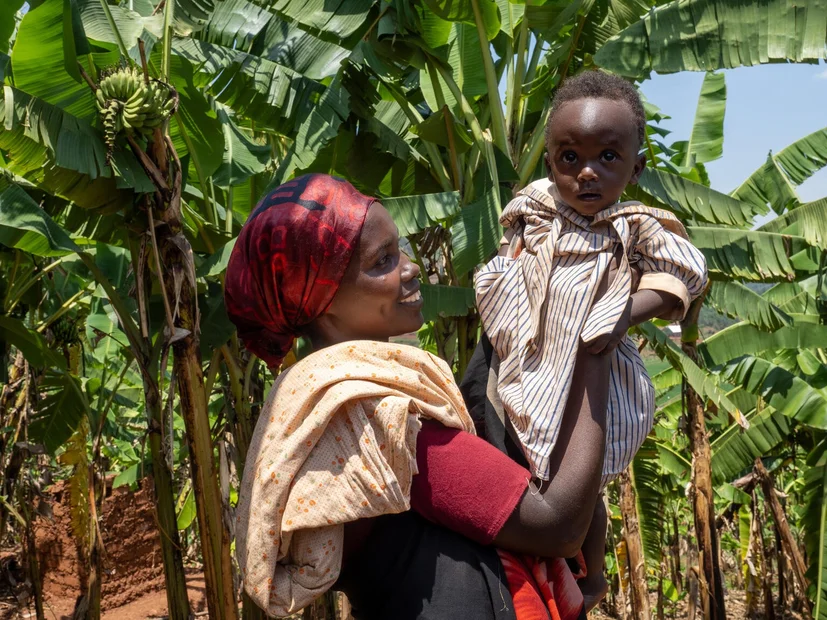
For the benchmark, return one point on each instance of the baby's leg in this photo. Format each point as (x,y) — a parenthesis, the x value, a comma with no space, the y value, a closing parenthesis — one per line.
(594,586)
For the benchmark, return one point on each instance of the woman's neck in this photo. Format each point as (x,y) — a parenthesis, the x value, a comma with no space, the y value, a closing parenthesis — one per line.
(320,341)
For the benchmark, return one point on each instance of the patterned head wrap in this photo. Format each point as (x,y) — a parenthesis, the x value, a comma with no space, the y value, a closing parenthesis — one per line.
(289,260)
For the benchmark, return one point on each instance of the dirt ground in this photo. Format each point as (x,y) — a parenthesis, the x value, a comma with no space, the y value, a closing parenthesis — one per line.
(133,580)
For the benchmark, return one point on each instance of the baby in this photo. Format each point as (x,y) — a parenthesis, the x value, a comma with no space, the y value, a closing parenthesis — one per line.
(540,302)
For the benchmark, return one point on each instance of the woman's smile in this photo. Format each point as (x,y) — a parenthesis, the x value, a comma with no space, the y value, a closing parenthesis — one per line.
(412,299)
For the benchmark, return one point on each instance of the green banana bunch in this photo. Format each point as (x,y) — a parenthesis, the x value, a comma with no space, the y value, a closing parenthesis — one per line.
(126,102)
(66,330)
(120,84)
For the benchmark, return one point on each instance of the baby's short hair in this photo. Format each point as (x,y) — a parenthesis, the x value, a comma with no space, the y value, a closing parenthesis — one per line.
(600,85)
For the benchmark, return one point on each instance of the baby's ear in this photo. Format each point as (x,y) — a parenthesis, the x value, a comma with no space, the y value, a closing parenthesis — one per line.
(640,164)
(548,166)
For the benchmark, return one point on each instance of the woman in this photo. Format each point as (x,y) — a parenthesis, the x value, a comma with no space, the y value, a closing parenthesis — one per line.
(341,452)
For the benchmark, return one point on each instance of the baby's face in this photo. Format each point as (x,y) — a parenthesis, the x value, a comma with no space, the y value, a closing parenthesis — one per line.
(592,153)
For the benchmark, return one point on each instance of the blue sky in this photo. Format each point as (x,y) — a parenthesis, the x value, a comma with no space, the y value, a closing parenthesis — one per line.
(768,107)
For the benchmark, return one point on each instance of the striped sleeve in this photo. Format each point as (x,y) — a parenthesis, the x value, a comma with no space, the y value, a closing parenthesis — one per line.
(669,263)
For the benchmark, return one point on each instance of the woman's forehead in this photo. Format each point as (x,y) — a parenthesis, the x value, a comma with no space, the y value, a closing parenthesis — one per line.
(378,223)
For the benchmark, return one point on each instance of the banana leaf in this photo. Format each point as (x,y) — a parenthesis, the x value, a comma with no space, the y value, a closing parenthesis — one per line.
(25,226)
(476,233)
(704,383)
(287,43)
(691,200)
(414,214)
(235,24)
(780,389)
(192,15)
(463,11)
(61,154)
(319,128)
(814,521)
(8,22)
(440,300)
(737,301)
(753,255)
(45,61)
(336,19)
(131,25)
(646,476)
(808,221)
(32,345)
(242,156)
(790,297)
(706,143)
(510,15)
(669,39)
(734,451)
(59,412)
(272,95)
(195,129)
(774,183)
(746,339)
(465,61)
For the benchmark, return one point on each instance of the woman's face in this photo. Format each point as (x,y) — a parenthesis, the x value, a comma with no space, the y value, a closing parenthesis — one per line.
(379,295)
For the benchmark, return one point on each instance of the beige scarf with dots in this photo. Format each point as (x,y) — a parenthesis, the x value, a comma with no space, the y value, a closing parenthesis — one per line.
(336,442)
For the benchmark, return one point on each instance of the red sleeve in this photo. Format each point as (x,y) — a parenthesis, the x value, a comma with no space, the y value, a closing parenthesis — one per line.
(465,483)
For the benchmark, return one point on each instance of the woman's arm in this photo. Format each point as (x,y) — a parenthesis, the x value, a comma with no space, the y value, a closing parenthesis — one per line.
(554,520)
(467,485)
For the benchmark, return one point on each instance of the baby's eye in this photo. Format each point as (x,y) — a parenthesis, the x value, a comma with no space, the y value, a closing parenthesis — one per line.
(609,156)
(383,261)
(569,157)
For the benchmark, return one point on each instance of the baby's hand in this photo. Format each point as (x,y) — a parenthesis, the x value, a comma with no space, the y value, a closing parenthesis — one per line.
(605,344)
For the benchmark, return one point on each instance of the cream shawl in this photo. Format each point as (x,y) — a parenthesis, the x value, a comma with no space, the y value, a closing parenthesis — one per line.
(335,442)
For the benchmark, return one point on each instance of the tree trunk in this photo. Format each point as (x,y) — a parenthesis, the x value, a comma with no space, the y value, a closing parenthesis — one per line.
(660,602)
(32,563)
(711,586)
(180,289)
(622,561)
(758,579)
(692,580)
(766,569)
(788,543)
(676,555)
(781,562)
(215,537)
(634,549)
(174,576)
(753,565)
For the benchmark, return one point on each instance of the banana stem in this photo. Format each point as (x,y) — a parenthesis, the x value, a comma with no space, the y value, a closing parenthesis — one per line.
(536,145)
(114,26)
(495,103)
(169,8)
(515,95)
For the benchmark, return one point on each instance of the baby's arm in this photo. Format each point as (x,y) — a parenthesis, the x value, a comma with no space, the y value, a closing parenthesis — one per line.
(594,585)
(648,304)
(670,273)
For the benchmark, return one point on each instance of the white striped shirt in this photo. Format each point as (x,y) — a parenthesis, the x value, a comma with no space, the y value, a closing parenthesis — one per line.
(537,307)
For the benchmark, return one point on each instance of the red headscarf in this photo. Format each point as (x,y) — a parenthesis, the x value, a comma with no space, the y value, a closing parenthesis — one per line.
(289,260)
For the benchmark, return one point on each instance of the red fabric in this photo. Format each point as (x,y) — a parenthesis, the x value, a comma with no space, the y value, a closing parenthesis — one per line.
(469,486)
(542,588)
(289,260)
(464,483)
